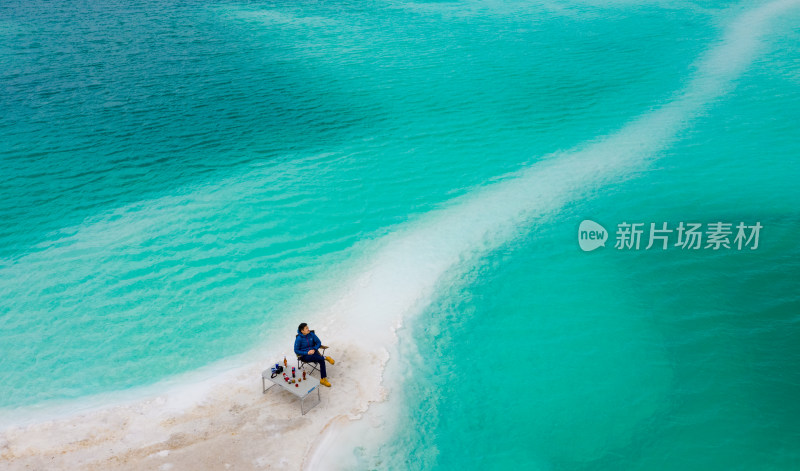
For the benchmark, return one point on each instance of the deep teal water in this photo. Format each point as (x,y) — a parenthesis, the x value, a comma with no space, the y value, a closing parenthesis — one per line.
(178,175)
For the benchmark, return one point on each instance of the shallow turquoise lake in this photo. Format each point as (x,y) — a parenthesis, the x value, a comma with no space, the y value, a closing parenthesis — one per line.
(176,176)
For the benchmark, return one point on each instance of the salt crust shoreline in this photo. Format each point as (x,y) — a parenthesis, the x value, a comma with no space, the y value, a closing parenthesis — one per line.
(230,425)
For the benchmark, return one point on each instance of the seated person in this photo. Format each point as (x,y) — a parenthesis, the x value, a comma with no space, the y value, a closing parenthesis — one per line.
(306,346)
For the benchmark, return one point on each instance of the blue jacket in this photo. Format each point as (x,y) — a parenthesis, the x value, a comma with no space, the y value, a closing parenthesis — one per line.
(304,343)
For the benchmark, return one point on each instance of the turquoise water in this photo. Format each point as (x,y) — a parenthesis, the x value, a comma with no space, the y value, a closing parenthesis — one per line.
(178,176)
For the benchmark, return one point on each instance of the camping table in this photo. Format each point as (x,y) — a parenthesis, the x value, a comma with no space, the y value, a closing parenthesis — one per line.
(301,392)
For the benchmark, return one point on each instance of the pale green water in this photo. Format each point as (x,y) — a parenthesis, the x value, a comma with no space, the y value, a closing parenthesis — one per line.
(177,176)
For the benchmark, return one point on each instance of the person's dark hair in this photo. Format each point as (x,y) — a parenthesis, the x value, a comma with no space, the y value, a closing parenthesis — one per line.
(302,326)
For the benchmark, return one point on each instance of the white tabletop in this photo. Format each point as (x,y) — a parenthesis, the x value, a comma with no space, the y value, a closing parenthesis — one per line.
(303,388)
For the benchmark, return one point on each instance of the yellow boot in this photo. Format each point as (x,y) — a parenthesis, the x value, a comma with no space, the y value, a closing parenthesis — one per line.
(325,382)
(329,360)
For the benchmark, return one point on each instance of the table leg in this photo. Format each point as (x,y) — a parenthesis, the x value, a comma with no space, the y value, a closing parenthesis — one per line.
(303,402)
